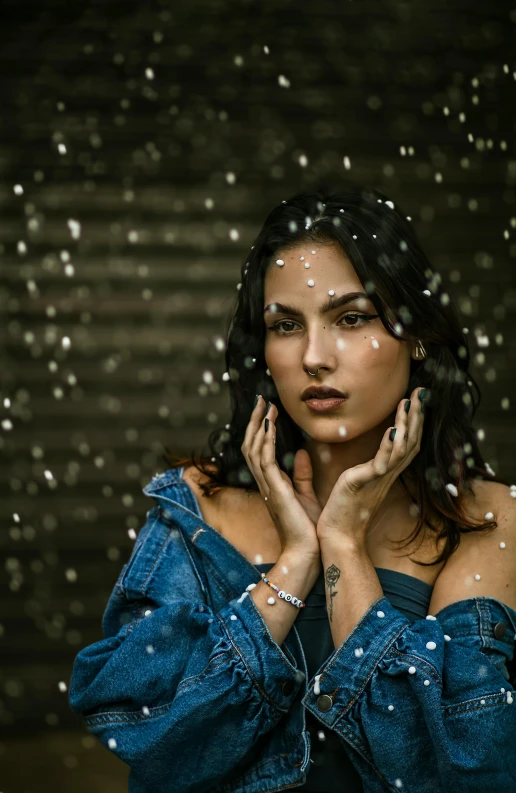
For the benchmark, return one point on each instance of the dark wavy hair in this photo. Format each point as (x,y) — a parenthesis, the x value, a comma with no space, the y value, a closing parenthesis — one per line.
(381,244)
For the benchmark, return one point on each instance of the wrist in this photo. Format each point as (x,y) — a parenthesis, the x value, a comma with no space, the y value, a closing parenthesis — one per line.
(353,546)
(304,555)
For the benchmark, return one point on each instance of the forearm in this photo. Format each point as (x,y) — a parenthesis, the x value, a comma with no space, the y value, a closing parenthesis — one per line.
(294,573)
(351,585)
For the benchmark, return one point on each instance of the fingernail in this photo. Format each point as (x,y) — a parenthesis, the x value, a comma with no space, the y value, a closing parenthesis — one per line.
(268,407)
(392,433)
(266,424)
(257,397)
(423,408)
(422,394)
(407,406)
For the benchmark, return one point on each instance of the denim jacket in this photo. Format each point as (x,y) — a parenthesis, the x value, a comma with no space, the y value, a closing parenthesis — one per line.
(189,688)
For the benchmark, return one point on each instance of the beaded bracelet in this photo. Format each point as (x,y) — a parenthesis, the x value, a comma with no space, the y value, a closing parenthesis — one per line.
(283,595)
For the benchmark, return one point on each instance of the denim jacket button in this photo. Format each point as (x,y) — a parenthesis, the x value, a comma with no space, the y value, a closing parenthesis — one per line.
(287,687)
(500,630)
(324,702)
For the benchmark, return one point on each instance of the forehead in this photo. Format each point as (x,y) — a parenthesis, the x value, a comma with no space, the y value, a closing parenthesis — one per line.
(329,267)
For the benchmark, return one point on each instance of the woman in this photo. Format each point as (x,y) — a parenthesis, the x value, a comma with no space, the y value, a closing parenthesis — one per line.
(214,673)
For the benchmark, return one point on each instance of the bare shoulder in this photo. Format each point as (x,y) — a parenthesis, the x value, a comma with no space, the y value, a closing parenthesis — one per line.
(233,496)
(216,508)
(488,497)
(484,564)
(240,516)
(195,478)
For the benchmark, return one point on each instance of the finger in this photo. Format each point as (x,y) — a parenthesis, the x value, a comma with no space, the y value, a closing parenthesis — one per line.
(385,457)
(270,470)
(302,476)
(421,417)
(254,423)
(404,438)
(405,441)
(412,428)
(256,450)
(415,424)
(250,437)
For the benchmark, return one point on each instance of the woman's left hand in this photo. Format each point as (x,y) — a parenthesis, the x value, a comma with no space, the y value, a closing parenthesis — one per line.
(359,491)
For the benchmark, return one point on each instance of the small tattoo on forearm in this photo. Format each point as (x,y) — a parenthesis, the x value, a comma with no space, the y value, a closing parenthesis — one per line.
(331,577)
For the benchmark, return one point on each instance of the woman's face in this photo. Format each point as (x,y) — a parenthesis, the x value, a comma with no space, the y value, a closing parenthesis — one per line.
(354,354)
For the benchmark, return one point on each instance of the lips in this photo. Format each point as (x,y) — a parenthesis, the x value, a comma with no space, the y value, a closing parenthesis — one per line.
(322,393)
(325,405)
(326,396)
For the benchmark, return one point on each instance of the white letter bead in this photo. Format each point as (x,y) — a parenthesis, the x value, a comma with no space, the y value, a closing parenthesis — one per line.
(502,545)
(233,617)
(380,614)
(271,601)
(477,577)
(412,670)
(311,282)
(482,702)
(431,645)
(390,707)
(427,682)
(447,638)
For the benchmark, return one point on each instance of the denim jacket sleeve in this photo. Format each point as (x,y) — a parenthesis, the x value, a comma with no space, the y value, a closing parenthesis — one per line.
(427,705)
(173,685)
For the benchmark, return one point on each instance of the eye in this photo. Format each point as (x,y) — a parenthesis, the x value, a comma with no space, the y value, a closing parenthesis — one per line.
(276,328)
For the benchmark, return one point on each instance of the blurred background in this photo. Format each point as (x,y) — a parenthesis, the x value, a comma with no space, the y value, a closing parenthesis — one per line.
(142,146)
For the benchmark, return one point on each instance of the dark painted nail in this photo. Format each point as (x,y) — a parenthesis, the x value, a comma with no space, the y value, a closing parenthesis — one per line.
(392,433)
(407,406)
(257,397)
(268,407)
(423,408)
(266,424)
(421,394)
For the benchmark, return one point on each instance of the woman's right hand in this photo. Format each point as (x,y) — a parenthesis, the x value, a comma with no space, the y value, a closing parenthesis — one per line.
(294,513)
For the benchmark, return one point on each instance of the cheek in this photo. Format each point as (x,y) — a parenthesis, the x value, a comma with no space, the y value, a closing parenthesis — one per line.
(378,351)
(366,352)
(277,361)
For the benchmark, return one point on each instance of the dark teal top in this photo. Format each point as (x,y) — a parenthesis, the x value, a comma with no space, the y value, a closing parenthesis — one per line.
(332,771)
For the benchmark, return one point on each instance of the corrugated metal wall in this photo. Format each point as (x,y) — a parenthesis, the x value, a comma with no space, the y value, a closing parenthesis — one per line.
(134,138)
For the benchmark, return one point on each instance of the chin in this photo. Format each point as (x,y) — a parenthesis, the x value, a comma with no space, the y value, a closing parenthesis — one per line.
(327,435)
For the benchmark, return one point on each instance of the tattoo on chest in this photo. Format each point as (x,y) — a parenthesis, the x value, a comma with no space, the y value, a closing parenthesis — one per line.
(331,577)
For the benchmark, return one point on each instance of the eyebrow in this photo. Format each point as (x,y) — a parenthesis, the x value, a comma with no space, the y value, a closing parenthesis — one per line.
(329,305)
